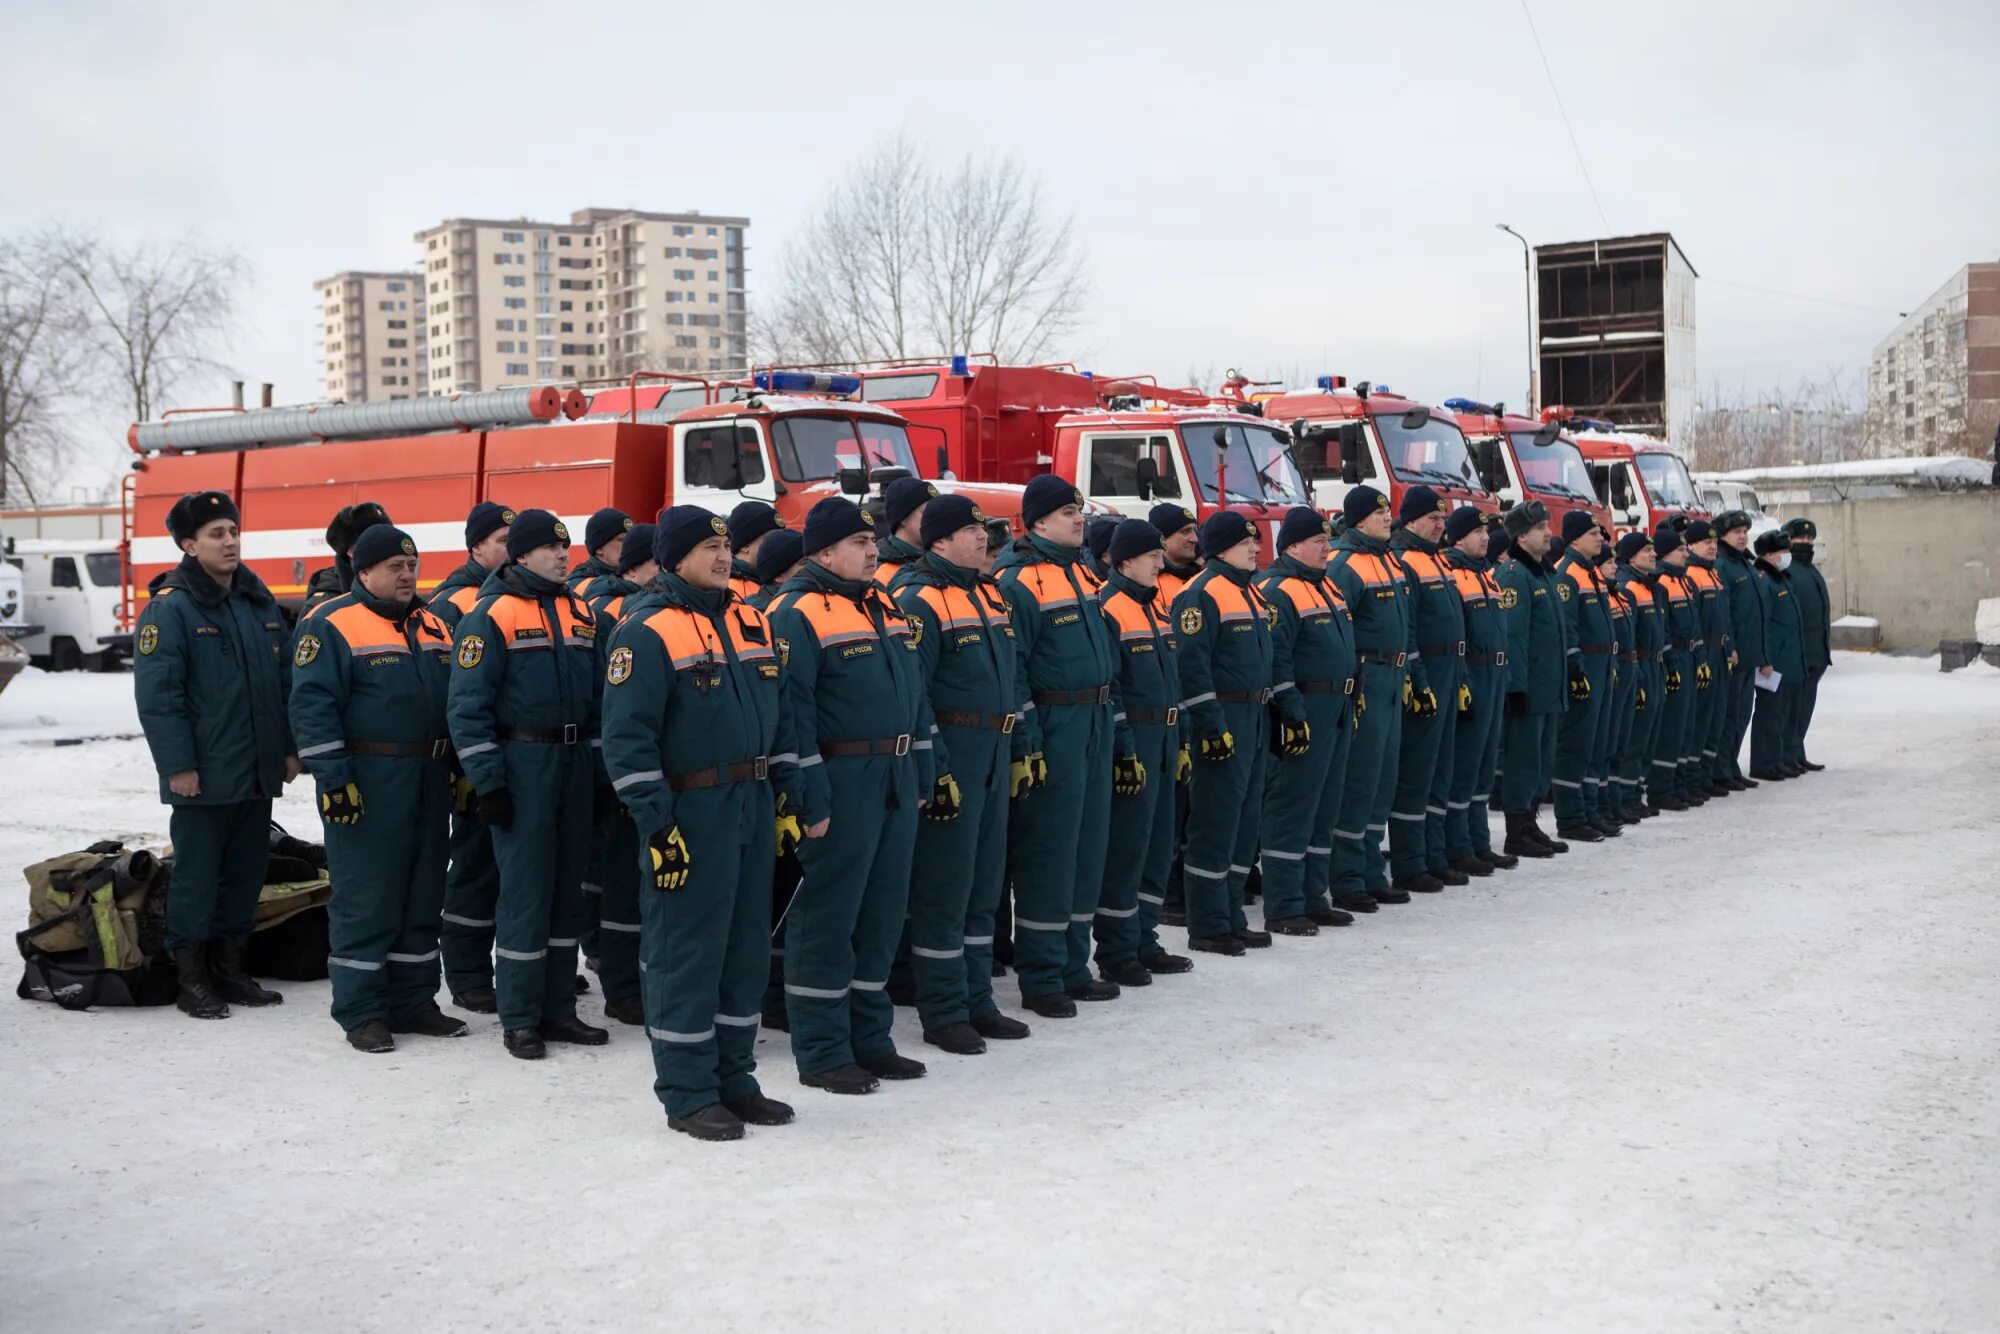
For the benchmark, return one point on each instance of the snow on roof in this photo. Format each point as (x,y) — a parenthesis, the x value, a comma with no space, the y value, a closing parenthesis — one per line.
(1944,471)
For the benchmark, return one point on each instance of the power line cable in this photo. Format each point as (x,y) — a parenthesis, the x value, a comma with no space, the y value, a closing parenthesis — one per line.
(1564,112)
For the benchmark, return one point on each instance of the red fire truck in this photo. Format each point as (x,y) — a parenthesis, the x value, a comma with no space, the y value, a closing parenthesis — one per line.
(1641,478)
(787,438)
(1522,459)
(1126,442)
(1367,434)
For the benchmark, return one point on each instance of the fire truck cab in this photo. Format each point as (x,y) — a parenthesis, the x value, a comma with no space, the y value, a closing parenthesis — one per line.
(1642,479)
(1346,437)
(1520,459)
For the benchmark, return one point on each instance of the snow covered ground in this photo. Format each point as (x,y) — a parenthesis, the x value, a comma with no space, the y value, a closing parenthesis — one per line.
(1739,1070)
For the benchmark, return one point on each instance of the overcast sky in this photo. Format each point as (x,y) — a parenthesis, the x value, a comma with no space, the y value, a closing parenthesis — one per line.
(1308,185)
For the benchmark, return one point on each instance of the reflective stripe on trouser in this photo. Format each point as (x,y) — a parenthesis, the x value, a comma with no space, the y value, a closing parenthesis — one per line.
(1224,822)
(1139,853)
(471,891)
(594,876)
(388,877)
(220,853)
(1370,781)
(1301,799)
(1635,753)
(1725,739)
(1475,748)
(1600,794)
(1700,721)
(706,947)
(1055,847)
(1441,776)
(1528,758)
(1771,728)
(1670,737)
(954,860)
(1802,714)
(784,882)
(845,919)
(1576,736)
(1617,732)
(540,907)
(1741,701)
(1422,741)
(617,908)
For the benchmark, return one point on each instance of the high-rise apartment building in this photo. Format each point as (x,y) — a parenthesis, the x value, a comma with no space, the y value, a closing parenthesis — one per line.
(1934,382)
(509,303)
(672,290)
(371,336)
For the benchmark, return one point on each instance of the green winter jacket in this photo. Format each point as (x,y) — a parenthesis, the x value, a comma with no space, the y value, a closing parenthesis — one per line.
(1225,645)
(965,646)
(1537,643)
(1746,610)
(1784,639)
(365,670)
(1375,586)
(1437,615)
(1060,641)
(1313,640)
(1815,606)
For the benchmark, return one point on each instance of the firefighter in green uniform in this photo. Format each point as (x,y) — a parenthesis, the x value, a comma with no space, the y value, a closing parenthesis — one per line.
(1435,670)
(472,878)
(1591,650)
(1225,664)
(210,672)
(611,876)
(1717,659)
(370,670)
(1097,531)
(347,525)
(1815,606)
(866,761)
(1312,659)
(1061,781)
(1683,624)
(779,556)
(1374,587)
(603,541)
(1781,669)
(965,648)
(749,524)
(1468,843)
(1633,755)
(1539,681)
(1146,720)
(1735,564)
(696,737)
(523,712)
(1175,524)
(1616,714)
(779,553)
(903,502)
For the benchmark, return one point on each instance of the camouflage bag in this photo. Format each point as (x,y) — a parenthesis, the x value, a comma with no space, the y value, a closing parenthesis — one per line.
(96,928)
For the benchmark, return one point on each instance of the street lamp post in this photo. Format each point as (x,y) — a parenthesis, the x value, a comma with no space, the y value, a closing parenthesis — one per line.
(1528,310)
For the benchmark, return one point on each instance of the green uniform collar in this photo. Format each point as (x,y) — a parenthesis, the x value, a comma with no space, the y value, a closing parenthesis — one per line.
(1294,569)
(946,572)
(1052,551)
(678,592)
(394,612)
(818,579)
(895,551)
(1241,578)
(1356,540)
(1138,592)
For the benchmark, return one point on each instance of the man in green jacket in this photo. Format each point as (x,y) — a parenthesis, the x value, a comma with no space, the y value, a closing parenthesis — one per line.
(1436,669)
(370,671)
(1816,632)
(1587,630)
(750,523)
(1472,544)
(1734,564)
(211,673)
(903,503)
(1538,678)
(1634,755)
(1670,766)
(1781,669)
(603,541)
(1715,663)
(1617,715)
(348,524)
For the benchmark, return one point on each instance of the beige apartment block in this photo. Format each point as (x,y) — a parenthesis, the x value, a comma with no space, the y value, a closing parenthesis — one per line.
(1934,382)
(508,302)
(371,336)
(671,288)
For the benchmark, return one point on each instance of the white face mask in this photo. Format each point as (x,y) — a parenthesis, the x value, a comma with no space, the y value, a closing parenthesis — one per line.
(1782,560)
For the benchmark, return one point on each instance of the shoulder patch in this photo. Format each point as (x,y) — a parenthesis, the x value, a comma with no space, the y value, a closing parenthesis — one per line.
(149,638)
(1563,589)
(307,650)
(1271,617)
(784,647)
(1508,599)
(916,624)
(1190,620)
(619,670)
(470,650)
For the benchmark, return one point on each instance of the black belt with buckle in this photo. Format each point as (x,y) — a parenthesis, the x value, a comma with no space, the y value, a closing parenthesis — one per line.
(404,750)
(1344,686)
(1687,645)
(566,735)
(1628,657)
(984,722)
(1385,659)
(1100,695)
(1245,696)
(1596,648)
(888,745)
(1497,658)
(744,772)
(1442,650)
(1153,717)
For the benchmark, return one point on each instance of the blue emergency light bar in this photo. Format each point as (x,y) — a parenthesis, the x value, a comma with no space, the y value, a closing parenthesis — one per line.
(1329,383)
(1471,405)
(806,382)
(958,366)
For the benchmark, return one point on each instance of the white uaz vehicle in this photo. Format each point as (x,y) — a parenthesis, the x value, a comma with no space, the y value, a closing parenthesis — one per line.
(73,591)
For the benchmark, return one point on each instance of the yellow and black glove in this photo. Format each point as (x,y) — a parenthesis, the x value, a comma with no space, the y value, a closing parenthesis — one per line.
(1218,747)
(341,805)
(1704,676)
(1464,698)
(1128,776)
(1409,695)
(464,796)
(945,803)
(670,859)
(1733,659)
(1021,779)
(1674,681)
(1184,765)
(1426,703)
(1639,701)
(790,829)
(1294,739)
(1360,707)
(1579,686)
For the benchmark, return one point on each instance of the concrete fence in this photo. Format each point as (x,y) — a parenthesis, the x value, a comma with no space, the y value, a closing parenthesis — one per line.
(1919,564)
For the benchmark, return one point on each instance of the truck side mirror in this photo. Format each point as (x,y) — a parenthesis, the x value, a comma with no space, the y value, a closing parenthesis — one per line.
(1147,473)
(1351,445)
(1549,434)
(1221,439)
(853,481)
(1416,419)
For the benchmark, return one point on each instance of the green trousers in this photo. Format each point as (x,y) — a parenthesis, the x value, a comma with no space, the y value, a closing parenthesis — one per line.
(1370,781)
(471,894)
(1528,757)
(1301,803)
(1576,741)
(388,889)
(1224,822)
(1139,853)
(219,857)
(1056,838)
(540,908)
(955,879)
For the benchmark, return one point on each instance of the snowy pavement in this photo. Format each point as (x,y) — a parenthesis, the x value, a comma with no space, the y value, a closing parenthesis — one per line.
(1738,1070)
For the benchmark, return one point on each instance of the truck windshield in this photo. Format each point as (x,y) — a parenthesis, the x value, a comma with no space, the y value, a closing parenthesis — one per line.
(104,568)
(1667,479)
(813,449)
(1258,467)
(1434,452)
(1555,467)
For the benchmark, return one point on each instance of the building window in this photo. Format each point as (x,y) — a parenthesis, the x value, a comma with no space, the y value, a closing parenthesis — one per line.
(711,231)
(517,368)
(515,280)
(673,252)
(683,275)
(399,342)
(516,303)
(511,238)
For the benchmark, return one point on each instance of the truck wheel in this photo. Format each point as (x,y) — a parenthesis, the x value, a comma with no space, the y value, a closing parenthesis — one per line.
(106,661)
(64,656)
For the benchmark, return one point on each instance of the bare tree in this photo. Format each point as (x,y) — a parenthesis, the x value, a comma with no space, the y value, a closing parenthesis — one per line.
(40,348)
(153,313)
(903,260)
(1810,421)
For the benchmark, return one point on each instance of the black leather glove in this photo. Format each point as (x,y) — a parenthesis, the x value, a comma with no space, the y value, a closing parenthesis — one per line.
(1517,704)
(497,809)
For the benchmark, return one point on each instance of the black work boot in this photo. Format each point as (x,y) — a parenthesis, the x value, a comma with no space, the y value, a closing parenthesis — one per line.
(1811,768)
(1423,882)
(232,983)
(1359,901)
(479,1000)
(1054,1005)
(1291,926)
(1582,833)
(1173,914)
(1522,843)
(575,1032)
(1670,802)
(845,1079)
(1096,991)
(372,1036)
(1229,945)
(626,1010)
(1125,973)
(1390,894)
(1254,940)
(427,1022)
(758,1110)
(997,1027)
(1472,864)
(1449,875)
(1329,917)
(1499,861)
(895,1066)
(197,995)
(713,1122)
(582,987)
(1160,963)
(525,1043)
(1608,825)
(960,1039)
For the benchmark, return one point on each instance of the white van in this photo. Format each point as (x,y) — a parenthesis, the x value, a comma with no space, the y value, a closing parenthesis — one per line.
(72,590)
(1721,494)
